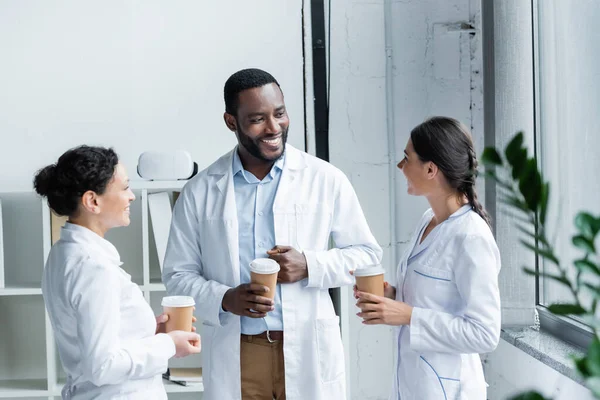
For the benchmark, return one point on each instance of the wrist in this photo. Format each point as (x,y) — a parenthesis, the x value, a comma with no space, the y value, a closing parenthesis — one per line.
(410,310)
(225,300)
(305,275)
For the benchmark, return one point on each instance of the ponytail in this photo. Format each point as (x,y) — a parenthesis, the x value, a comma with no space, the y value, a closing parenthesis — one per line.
(468,189)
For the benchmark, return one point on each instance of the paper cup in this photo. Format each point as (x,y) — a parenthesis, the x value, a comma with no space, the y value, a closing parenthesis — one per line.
(180,310)
(264,272)
(370,279)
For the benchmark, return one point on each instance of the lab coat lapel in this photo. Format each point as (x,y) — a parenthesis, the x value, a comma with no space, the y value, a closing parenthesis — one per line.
(224,189)
(285,198)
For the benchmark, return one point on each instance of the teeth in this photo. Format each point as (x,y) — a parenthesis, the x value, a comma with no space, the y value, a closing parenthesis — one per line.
(271,141)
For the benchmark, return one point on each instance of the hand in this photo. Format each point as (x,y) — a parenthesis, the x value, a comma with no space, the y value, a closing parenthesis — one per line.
(292,263)
(161,321)
(388,290)
(377,310)
(246,300)
(186,343)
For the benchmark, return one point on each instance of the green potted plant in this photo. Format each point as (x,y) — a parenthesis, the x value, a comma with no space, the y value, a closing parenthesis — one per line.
(522,188)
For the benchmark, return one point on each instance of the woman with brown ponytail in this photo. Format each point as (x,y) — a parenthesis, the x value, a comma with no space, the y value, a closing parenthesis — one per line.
(446,303)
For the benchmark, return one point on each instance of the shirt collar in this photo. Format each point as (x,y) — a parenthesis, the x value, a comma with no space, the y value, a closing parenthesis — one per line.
(238,168)
(77,233)
(463,210)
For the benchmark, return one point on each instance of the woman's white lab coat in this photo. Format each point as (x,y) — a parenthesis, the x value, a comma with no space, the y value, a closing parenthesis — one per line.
(103,326)
(314,201)
(453,287)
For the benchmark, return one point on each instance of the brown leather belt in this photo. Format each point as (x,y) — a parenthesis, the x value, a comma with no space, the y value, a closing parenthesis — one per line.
(274,335)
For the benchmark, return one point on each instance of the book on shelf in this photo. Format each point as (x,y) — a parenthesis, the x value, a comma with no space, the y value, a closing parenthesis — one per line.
(184,376)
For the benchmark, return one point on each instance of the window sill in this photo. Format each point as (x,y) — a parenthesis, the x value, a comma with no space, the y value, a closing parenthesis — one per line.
(553,352)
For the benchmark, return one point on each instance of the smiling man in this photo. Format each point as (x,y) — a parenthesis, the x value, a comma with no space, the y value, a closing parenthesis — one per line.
(267,199)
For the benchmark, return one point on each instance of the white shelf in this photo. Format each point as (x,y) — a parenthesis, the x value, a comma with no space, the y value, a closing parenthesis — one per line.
(171,387)
(24,271)
(19,291)
(13,389)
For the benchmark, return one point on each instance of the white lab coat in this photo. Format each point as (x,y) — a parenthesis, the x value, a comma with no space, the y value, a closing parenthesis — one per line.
(453,287)
(104,327)
(314,201)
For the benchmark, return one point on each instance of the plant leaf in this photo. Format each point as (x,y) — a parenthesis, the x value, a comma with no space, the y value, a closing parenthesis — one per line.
(586,224)
(593,358)
(547,254)
(530,184)
(594,289)
(513,149)
(585,265)
(519,163)
(584,244)
(544,202)
(566,309)
(491,156)
(515,202)
(557,278)
(531,395)
(580,364)
(531,234)
(489,173)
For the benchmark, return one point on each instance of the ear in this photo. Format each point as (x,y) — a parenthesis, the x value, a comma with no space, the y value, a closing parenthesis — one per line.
(432,170)
(230,121)
(89,201)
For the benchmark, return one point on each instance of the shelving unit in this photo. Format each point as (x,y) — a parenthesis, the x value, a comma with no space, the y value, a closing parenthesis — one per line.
(29,364)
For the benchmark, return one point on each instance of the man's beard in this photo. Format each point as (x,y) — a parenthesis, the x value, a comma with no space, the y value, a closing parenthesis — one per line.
(252,146)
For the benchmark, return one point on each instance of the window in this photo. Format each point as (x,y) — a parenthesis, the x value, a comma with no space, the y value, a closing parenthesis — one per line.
(567,67)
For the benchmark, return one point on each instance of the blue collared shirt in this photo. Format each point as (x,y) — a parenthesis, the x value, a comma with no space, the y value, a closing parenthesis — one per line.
(254,200)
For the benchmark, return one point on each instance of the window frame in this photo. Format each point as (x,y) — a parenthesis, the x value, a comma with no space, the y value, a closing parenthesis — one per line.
(566,328)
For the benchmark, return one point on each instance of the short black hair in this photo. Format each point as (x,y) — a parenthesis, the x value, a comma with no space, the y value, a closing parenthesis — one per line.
(78,170)
(242,80)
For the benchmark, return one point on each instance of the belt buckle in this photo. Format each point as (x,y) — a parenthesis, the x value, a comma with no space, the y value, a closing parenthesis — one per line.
(269,337)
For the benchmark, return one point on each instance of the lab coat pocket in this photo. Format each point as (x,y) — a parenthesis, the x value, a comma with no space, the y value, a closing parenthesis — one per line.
(440,376)
(440,276)
(330,350)
(436,288)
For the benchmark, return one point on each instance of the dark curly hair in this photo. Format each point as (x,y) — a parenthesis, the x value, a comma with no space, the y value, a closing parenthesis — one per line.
(78,170)
(447,143)
(242,80)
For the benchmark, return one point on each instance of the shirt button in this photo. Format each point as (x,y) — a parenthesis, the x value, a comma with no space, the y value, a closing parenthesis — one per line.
(261,244)
(260,213)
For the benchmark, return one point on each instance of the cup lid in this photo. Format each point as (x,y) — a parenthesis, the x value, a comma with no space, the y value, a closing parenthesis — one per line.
(178,301)
(264,266)
(369,270)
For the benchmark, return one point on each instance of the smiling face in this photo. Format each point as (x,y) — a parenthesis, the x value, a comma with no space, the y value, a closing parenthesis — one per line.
(261,124)
(417,172)
(113,204)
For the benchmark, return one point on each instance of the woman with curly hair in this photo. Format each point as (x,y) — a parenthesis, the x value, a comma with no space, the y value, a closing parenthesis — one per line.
(109,341)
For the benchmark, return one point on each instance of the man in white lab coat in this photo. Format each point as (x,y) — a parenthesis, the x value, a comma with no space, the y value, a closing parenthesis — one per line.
(267,199)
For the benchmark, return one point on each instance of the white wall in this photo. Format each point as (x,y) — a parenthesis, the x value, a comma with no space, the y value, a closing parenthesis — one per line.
(136,75)
(510,371)
(433,71)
